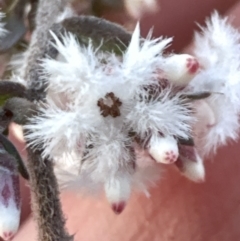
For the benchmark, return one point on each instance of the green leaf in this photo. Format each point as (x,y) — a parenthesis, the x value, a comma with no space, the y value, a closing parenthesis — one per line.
(10,148)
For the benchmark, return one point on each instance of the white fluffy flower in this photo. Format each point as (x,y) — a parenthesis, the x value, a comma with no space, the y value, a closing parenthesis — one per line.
(109,119)
(99,106)
(217,49)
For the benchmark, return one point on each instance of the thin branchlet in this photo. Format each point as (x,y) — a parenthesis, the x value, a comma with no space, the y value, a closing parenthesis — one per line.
(44,188)
(45,17)
(46,203)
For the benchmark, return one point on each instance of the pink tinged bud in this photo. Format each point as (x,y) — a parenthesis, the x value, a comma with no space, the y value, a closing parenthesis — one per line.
(180,69)
(190,163)
(163,149)
(9,198)
(118,191)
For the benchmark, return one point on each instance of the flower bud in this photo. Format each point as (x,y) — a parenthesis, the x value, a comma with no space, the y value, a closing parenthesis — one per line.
(118,190)
(163,149)
(190,163)
(9,197)
(180,69)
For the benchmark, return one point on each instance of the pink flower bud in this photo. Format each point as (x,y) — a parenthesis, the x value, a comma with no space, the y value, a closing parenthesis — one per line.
(163,149)
(9,197)
(118,191)
(180,68)
(190,163)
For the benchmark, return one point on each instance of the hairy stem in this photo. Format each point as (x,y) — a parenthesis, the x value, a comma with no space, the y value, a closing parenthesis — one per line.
(46,203)
(45,18)
(44,188)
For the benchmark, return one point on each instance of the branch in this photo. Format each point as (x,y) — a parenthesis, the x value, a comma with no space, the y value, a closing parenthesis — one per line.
(46,203)
(44,188)
(45,18)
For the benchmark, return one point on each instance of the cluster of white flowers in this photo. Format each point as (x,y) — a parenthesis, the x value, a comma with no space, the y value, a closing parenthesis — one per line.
(108,120)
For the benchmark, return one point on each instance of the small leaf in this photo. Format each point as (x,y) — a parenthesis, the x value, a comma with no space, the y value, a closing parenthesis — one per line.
(10,89)
(197,95)
(103,34)
(10,148)
(21,108)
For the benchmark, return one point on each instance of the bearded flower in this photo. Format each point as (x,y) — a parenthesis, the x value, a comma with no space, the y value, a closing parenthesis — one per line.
(99,106)
(108,119)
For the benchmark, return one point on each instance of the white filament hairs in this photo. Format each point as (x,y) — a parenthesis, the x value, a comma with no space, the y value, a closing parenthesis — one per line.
(216,49)
(108,120)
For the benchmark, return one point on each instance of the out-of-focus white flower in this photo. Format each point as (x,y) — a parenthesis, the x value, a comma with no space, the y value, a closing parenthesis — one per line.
(217,49)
